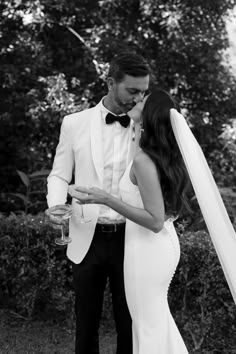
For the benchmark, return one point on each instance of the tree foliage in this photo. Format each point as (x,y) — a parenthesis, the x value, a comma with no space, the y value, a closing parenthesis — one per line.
(54,57)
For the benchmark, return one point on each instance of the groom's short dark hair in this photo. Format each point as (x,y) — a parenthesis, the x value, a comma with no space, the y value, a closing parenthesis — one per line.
(128,63)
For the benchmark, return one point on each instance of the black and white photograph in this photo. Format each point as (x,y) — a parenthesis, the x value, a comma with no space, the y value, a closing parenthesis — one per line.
(118,177)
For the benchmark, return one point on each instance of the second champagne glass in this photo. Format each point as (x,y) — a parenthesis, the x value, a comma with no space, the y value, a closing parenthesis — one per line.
(80,218)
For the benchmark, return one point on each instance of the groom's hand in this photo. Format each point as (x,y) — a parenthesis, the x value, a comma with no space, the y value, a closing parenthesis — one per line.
(55,223)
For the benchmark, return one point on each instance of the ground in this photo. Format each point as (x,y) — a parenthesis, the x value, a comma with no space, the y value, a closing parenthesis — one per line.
(21,336)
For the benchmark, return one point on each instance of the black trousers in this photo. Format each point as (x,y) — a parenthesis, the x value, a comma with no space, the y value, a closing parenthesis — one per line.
(104,260)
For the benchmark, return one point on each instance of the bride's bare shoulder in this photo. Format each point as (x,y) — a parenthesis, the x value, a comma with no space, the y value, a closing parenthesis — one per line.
(142,159)
(144,167)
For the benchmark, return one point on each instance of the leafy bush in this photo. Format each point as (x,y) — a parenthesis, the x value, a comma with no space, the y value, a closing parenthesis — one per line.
(33,197)
(200,298)
(35,274)
(36,277)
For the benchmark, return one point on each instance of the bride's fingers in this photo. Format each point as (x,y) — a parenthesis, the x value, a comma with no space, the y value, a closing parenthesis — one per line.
(86,199)
(82,189)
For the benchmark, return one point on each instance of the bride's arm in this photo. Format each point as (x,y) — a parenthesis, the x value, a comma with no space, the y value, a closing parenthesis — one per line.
(152,216)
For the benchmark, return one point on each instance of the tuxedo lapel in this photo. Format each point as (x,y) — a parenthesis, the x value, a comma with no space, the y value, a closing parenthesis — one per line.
(96,142)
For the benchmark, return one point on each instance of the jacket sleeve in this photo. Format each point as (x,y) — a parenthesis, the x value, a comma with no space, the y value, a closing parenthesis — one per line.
(63,167)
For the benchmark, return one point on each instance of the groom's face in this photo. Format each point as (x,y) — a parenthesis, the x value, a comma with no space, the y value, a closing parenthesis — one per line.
(129,91)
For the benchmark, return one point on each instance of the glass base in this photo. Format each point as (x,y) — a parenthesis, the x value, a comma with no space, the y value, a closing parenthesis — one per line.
(63,241)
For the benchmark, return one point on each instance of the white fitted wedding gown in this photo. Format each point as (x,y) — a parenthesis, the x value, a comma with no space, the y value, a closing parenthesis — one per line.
(149,265)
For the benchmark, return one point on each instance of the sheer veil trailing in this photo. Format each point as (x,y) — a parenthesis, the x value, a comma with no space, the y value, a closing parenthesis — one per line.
(212,207)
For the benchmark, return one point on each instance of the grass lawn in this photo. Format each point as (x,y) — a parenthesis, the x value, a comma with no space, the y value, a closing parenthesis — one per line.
(54,336)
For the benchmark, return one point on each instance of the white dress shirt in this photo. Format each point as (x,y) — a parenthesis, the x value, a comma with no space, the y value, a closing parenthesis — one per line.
(115,139)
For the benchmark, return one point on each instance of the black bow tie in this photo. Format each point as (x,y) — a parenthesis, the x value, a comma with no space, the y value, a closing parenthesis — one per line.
(123,120)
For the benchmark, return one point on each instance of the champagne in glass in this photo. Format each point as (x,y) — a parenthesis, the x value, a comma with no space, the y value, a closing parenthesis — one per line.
(58,214)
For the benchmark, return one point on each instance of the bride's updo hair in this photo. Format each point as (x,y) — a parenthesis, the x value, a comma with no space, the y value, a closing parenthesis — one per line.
(158,142)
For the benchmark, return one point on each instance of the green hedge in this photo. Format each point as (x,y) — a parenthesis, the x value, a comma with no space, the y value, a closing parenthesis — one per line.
(35,277)
(200,299)
(35,273)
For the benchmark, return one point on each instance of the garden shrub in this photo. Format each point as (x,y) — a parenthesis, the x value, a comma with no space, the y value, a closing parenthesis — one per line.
(35,273)
(36,276)
(199,296)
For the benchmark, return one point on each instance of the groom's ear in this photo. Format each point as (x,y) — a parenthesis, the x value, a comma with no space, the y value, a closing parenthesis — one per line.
(110,83)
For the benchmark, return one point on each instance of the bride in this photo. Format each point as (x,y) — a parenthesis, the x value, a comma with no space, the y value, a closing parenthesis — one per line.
(154,192)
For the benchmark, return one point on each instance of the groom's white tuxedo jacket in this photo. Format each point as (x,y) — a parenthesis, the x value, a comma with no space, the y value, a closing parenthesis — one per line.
(80,152)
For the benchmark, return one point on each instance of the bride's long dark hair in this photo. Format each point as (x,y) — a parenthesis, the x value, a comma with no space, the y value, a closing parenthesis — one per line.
(158,142)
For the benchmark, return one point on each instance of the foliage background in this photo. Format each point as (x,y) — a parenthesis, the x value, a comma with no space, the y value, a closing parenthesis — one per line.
(53,61)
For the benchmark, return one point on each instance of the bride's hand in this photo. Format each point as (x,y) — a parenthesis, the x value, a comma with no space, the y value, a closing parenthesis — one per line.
(136,112)
(92,195)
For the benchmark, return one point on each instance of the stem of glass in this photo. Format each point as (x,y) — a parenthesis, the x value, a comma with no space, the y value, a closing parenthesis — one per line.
(62,233)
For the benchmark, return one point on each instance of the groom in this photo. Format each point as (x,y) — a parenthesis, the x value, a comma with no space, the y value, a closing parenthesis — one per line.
(96,146)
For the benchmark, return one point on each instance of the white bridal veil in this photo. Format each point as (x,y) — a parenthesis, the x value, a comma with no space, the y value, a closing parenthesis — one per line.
(213,210)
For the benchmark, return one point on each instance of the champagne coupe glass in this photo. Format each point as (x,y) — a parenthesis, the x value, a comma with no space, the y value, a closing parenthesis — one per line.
(60,213)
(80,218)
